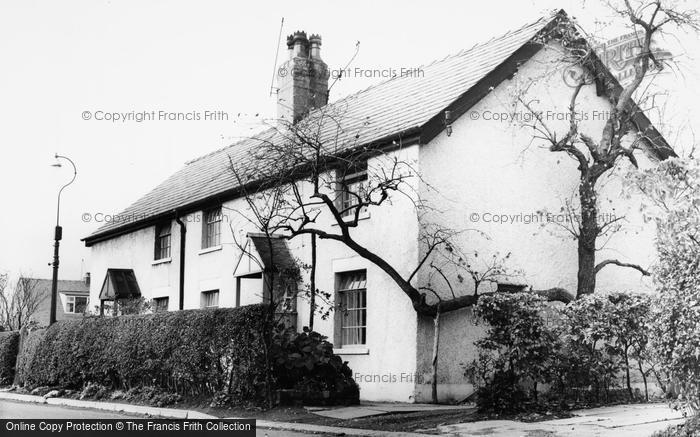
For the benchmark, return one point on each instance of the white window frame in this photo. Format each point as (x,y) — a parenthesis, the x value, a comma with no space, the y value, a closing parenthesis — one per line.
(343,292)
(352,186)
(71,304)
(211,220)
(165,299)
(206,299)
(161,251)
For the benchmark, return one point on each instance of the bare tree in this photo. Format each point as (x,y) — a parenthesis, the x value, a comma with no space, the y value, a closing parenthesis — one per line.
(18,304)
(621,134)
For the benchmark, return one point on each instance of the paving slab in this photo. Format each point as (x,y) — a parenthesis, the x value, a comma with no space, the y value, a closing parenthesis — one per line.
(378,408)
(332,430)
(349,413)
(107,406)
(637,420)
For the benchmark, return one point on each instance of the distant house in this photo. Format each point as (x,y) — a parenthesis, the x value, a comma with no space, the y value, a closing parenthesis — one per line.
(180,244)
(72,300)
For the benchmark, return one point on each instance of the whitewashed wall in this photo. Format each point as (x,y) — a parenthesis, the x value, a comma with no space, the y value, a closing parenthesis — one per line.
(488,168)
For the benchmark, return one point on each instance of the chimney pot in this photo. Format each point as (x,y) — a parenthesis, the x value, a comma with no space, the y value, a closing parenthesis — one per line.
(315,46)
(301,44)
(303,78)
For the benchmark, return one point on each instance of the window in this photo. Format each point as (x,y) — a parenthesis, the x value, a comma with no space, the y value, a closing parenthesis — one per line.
(76,304)
(210,299)
(160,304)
(211,230)
(353,187)
(353,301)
(162,245)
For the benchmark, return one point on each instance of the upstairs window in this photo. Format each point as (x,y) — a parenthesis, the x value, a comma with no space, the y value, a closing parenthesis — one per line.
(210,299)
(211,228)
(352,291)
(162,244)
(353,186)
(76,304)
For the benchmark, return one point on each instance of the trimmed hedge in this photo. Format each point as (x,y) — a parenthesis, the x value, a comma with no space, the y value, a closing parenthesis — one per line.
(190,352)
(9,345)
(30,343)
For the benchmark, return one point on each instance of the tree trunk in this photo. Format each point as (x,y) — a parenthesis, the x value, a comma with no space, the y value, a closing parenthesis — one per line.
(644,378)
(588,232)
(312,281)
(627,376)
(436,344)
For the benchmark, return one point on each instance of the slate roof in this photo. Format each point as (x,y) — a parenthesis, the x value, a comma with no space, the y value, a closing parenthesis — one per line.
(385,112)
(64,286)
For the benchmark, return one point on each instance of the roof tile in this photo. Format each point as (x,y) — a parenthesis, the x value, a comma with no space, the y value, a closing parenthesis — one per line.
(388,108)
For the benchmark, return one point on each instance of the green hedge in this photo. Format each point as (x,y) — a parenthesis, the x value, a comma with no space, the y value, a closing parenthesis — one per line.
(189,352)
(9,344)
(30,343)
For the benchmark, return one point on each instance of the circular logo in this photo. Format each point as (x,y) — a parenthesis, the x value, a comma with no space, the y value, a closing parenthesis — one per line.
(575,75)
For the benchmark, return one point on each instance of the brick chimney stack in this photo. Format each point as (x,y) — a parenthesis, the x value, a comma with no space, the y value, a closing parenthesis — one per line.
(302,79)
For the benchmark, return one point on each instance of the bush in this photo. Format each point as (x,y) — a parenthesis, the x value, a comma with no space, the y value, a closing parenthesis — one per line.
(305,361)
(30,344)
(691,428)
(580,351)
(9,345)
(185,352)
(672,193)
(516,353)
(603,334)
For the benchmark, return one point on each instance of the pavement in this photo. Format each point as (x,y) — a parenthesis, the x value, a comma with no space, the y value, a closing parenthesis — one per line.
(25,410)
(16,403)
(367,409)
(637,420)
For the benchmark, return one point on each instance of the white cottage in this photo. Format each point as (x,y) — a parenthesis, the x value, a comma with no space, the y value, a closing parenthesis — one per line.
(180,246)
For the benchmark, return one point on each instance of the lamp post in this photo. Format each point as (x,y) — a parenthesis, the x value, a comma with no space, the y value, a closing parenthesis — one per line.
(58,233)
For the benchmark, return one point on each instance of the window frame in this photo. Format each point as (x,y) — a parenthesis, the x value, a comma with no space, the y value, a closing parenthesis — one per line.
(352,183)
(160,251)
(211,239)
(71,302)
(360,306)
(158,308)
(204,297)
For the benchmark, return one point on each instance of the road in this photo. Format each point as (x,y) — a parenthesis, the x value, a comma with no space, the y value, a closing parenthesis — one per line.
(22,410)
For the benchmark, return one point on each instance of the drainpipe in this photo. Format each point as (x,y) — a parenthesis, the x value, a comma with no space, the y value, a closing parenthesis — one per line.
(183,239)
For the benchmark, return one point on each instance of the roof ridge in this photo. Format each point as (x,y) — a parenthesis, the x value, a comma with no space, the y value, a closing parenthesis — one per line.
(49,279)
(451,56)
(435,61)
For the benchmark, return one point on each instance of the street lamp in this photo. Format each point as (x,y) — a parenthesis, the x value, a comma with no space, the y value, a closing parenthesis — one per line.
(58,233)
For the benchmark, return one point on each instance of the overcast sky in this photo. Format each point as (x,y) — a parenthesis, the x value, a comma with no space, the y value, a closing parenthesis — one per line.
(60,59)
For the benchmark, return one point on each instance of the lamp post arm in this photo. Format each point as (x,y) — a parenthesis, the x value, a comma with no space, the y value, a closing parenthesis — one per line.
(75,174)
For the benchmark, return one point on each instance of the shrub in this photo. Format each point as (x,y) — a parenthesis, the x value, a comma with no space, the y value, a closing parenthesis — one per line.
(305,361)
(517,351)
(185,352)
(672,191)
(691,428)
(604,331)
(580,351)
(9,344)
(30,344)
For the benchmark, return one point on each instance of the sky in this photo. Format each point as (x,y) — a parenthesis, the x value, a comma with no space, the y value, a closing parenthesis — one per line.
(64,66)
